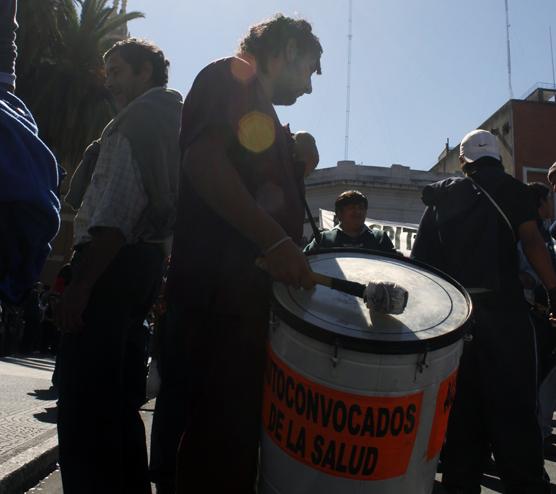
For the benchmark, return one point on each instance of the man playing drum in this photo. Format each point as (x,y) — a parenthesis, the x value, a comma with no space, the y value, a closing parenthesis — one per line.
(469,230)
(240,198)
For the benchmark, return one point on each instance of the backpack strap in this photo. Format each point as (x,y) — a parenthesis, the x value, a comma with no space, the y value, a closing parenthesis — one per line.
(495,204)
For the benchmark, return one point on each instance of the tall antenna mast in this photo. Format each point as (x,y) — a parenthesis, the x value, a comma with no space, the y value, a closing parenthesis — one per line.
(348,89)
(552,57)
(509,52)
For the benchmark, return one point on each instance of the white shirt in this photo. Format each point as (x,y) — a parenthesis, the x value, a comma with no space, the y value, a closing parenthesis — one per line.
(115,197)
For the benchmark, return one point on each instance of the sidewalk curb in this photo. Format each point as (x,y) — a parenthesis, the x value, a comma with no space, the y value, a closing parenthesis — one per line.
(25,470)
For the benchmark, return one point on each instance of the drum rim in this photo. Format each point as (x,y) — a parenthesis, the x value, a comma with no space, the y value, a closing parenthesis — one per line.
(378,346)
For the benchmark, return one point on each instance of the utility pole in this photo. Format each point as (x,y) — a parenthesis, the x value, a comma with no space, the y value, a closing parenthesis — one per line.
(509,52)
(348,88)
(552,57)
(447,151)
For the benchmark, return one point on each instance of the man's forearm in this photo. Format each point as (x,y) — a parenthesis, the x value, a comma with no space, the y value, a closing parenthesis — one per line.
(102,250)
(218,183)
(537,254)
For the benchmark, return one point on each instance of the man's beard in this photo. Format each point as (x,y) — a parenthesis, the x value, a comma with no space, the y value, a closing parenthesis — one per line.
(284,99)
(284,95)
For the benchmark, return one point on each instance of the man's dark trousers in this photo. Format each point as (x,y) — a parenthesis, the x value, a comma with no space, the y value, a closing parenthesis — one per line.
(169,418)
(224,356)
(496,406)
(102,380)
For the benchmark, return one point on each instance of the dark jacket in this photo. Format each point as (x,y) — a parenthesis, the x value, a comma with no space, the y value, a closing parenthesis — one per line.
(8,48)
(368,239)
(463,234)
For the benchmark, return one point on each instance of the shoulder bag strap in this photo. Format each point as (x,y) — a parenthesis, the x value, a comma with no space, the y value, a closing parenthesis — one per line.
(495,204)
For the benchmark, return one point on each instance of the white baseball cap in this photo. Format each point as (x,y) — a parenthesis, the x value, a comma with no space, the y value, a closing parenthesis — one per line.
(478,144)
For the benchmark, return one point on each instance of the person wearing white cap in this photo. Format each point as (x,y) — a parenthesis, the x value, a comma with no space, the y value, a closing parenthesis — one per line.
(479,144)
(470,230)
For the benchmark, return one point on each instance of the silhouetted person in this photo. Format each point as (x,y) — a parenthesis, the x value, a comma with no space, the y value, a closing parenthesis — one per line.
(126,209)
(240,198)
(29,206)
(351,210)
(470,231)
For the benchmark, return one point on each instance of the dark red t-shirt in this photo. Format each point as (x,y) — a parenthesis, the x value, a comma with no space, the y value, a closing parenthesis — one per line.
(210,258)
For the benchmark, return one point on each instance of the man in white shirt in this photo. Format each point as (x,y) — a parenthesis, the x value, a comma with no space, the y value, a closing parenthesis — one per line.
(126,202)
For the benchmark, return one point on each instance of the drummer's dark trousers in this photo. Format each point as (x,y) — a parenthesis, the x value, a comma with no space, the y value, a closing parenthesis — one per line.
(224,356)
(170,409)
(496,407)
(102,380)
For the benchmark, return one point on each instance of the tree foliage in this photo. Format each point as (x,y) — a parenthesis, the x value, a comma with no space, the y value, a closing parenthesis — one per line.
(60,71)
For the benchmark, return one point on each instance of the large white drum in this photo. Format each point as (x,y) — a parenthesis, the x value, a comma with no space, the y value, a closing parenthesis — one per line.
(356,402)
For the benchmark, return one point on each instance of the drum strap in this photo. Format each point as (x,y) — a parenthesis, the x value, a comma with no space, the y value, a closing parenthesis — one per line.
(316,231)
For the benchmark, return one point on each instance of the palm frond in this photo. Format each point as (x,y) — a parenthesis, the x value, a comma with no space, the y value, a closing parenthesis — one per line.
(118,21)
(61,72)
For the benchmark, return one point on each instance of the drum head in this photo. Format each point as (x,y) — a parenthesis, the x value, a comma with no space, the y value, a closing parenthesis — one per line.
(436,315)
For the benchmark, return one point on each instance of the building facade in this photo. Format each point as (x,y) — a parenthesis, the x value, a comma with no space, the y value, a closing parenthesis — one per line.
(526,130)
(394,192)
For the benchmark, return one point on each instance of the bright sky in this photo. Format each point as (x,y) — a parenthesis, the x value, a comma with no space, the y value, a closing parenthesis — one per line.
(422,70)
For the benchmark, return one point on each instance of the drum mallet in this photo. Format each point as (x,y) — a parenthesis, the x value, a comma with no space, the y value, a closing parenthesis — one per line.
(379,296)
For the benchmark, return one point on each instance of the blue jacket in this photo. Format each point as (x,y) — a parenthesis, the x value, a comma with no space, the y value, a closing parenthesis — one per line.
(29,203)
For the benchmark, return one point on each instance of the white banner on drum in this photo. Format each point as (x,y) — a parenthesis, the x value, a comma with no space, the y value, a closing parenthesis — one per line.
(401,234)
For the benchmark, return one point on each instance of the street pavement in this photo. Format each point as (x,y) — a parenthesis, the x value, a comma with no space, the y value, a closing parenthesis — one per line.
(27,420)
(28,430)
